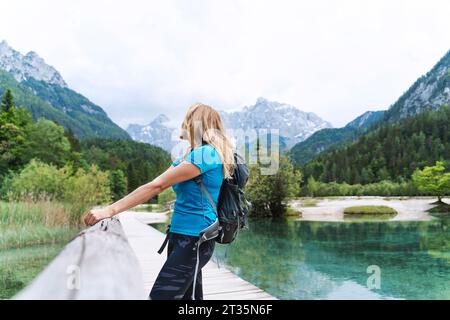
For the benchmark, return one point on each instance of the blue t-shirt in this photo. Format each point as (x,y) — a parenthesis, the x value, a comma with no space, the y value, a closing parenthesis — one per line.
(192,211)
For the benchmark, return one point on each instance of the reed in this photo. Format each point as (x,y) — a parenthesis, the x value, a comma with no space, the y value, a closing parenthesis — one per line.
(28,223)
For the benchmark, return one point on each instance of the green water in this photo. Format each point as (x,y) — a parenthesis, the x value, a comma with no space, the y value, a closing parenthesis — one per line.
(329,260)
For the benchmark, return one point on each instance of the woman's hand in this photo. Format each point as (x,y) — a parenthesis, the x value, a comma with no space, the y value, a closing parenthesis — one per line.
(173,175)
(95,215)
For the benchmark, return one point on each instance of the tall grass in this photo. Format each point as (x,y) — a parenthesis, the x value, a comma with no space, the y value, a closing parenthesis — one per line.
(28,223)
(43,213)
(370,210)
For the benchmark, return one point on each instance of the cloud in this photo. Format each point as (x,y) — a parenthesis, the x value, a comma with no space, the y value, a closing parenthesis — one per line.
(137,59)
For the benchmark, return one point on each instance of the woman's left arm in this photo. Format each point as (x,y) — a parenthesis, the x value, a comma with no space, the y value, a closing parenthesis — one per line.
(173,175)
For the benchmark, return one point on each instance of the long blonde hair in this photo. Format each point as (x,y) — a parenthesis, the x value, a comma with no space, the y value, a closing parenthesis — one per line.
(203,124)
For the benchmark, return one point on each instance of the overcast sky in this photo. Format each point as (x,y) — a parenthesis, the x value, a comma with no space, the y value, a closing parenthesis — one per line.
(137,59)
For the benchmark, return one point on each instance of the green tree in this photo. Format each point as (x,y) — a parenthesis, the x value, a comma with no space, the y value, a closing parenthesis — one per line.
(47,141)
(389,151)
(269,193)
(11,142)
(367,175)
(74,143)
(41,181)
(133,177)
(118,183)
(13,122)
(433,180)
(140,162)
(7,104)
(75,156)
(312,186)
(38,181)
(85,189)
(383,174)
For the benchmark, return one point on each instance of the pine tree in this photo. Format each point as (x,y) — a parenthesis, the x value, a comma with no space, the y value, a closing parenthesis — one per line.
(133,179)
(12,135)
(393,151)
(74,143)
(118,183)
(383,174)
(7,104)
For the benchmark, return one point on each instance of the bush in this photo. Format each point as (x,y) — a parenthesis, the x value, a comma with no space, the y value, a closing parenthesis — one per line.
(37,181)
(383,188)
(85,189)
(40,181)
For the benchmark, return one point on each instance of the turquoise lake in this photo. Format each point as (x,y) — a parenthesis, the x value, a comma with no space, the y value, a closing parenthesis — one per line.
(294,259)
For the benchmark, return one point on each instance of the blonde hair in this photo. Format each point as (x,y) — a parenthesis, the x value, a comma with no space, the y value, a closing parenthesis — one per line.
(203,124)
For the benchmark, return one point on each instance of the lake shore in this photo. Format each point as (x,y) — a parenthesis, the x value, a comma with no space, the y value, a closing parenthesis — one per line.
(332,209)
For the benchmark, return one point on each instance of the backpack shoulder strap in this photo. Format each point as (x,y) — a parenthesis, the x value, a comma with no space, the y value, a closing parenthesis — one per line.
(206,192)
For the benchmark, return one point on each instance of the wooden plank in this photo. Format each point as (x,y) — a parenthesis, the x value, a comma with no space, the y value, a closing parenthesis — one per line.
(98,264)
(218,283)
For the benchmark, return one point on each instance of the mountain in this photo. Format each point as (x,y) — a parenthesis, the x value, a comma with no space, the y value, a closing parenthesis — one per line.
(293,124)
(328,138)
(429,92)
(390,152)
(40,88)
(158,132)
(28,66)
(412,133)
(365,120)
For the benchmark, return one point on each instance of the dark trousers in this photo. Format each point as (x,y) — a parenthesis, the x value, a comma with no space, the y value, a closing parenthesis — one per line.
(175,280)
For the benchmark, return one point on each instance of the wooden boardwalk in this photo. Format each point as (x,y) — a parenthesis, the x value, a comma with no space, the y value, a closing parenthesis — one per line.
(218,283)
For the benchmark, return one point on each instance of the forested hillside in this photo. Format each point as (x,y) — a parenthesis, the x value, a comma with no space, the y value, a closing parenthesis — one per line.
(392,152)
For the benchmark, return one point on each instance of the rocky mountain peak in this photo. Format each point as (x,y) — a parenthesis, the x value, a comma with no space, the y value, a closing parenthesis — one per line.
(31,65)
(5,49)
(161,118)
(365,120)
(429,92)
(293,124)
(158,132)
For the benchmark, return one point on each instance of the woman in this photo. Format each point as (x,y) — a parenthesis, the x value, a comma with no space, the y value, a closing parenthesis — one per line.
(210,157)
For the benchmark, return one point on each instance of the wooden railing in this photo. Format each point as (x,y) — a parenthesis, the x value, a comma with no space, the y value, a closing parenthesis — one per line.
(98,264)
